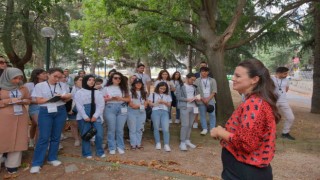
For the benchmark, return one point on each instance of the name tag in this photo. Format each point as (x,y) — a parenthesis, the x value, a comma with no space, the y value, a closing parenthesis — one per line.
(142,108)
(124,110)
(17,109)
(52,108)
(195,110)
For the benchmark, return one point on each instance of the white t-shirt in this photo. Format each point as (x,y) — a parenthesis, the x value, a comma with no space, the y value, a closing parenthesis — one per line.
(46,90)
(112,91)
(30,86)
(139,100)
(82,97)
(190,94)
(205,83)
(281,85)
(157,97)
(145,78)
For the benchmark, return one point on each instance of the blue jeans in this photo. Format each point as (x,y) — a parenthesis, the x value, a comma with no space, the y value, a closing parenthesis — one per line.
(50,128)
(115,120)
(203,117)
(177,113)
(136,122)
(161,117)
(84,127)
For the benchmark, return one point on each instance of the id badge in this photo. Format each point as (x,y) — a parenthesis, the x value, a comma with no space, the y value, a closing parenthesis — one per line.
(124,110)
(142,108)
(52,108)
(195,110)
(17,109)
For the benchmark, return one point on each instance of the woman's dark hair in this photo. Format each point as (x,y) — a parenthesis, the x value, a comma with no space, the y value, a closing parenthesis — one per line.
(123,83)
(282,69)
(179,79)
(34,75)
(53,70)
(156,90)
(111,71)
(265,86)
(160,75)
(1,71)
(76,79)
(142,90)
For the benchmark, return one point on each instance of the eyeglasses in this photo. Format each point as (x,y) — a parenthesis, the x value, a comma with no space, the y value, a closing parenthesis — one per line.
(117,78)
(3,62)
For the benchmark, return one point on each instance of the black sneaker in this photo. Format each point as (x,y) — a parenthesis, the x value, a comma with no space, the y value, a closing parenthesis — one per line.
(12,170)
(288,136)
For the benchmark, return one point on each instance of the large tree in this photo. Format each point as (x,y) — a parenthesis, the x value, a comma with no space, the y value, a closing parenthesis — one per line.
(220,26)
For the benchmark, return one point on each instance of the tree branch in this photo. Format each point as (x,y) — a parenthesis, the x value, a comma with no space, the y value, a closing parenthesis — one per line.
(235,19)
(268,24)
(157,12)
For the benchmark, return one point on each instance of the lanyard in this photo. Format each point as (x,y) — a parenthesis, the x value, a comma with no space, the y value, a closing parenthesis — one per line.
(54,90)
(205,83)
(161,97)
(279,84)
(15,96)
(140,76)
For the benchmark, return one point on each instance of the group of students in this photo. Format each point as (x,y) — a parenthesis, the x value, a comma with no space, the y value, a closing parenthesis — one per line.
(248,140)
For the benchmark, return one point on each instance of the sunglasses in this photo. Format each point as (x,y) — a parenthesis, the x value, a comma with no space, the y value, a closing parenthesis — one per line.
(3,62)
(117,78)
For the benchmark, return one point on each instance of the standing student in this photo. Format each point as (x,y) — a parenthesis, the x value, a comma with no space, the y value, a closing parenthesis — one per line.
(116,96)
(143,76)
(72,114)
(177,81)
(37,76)
(160,101)
(137,112)
(51,120)
(248,139)
(90,105)
(14,118)
(282,86)
(164,76)
(207,88)
(186,96)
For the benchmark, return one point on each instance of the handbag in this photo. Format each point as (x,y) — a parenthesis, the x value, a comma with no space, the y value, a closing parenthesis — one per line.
(210,108)
(90,133)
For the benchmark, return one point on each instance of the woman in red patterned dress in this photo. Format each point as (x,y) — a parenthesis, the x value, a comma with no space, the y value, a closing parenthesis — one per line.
(248,139)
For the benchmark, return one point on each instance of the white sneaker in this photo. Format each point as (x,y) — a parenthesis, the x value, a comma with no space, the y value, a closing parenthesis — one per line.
(177,121)
(158,146)
(103,156)
(183,146)
(170,121)
(188,143)
(112,152)
(35,169)
(77,143)
(89,157)
(204,132)
(63,137)
(120,151)
(54,163)
(60,147)
(195,125)
(167,148)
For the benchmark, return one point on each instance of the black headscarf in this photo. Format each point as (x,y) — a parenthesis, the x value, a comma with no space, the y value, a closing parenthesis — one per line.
(85,86)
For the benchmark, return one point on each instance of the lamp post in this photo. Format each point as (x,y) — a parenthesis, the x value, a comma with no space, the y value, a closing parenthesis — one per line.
(48,33)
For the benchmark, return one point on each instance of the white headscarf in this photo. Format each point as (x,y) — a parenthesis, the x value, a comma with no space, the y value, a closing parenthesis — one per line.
(6,77)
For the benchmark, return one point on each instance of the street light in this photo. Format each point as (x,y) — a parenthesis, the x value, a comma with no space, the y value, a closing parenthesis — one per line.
(48,33)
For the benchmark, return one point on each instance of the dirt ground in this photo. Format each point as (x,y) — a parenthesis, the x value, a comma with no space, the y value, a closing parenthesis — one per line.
(293,160)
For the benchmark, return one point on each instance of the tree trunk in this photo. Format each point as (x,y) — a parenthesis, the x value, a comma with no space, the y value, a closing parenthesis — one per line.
(315,101)
(189,63)
(93,67)
(224,105)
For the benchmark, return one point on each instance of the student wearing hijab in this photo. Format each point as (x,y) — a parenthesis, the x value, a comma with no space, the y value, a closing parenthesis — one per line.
(90,105)
(51,119)
(14,118)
